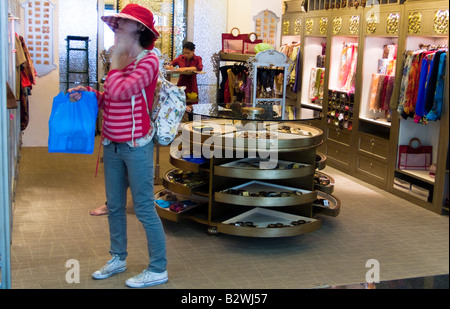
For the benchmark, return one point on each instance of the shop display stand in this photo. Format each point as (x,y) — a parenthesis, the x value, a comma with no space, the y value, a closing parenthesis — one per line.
(341,104)
(368,149)
(293,22)
(421,28)
(236,195)
(380,30)
(281,201)
(270,60)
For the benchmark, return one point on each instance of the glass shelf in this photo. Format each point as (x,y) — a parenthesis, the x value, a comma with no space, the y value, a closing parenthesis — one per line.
(214,111)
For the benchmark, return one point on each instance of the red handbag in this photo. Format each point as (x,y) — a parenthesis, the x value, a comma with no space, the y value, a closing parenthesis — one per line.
(414,158)
(233,43)
(249,45)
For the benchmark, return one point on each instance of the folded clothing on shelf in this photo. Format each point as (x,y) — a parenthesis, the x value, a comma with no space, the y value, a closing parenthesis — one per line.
(176,206)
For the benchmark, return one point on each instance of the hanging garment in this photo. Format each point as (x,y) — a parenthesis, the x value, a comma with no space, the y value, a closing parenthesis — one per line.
(432,80)
(436,110)
(413,80)
(389,90)
(375,93)
(383,93)
(298,74)
(343,73)
(351,79)
(420,102)
(400,103)
(312,83)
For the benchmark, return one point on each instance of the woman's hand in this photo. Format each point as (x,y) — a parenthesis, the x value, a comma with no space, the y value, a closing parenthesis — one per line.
(75,93)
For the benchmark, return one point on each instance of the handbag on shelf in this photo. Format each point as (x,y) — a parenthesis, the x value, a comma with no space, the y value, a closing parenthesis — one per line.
(233,43)
(414,158)
(249,44)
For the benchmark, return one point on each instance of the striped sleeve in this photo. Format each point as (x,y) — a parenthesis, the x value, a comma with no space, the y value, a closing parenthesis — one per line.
(122,85)
(100,97)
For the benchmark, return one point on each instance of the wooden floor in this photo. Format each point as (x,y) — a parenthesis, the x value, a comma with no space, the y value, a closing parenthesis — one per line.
(51,225)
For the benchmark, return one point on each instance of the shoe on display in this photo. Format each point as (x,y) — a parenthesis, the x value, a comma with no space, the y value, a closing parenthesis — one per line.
(113,266)
(147,278)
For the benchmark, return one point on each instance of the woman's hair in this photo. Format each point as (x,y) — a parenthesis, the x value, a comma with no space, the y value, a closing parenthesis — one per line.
(189,45)
(147,39)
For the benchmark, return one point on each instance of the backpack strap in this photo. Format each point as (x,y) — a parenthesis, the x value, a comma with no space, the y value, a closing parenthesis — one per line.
(133,98)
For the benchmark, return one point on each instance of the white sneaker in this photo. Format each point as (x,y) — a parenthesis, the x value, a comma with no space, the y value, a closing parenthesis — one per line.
(113,266)
(147,278)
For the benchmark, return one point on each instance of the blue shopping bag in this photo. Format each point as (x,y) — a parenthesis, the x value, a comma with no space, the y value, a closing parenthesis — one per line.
(72,124)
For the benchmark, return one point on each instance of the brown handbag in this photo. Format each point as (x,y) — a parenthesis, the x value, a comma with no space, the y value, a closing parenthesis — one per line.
(11,102)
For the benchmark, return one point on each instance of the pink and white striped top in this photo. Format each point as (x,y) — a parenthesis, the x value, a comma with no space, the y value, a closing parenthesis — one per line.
(120,86)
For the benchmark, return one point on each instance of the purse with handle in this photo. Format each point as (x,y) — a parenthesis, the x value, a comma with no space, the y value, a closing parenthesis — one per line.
(414,158)
(233,43)
(249,44)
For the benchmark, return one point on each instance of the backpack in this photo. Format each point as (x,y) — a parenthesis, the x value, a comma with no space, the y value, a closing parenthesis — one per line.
(169,105)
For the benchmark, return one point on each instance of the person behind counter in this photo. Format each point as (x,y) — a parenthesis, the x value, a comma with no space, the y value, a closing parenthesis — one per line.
(188,62)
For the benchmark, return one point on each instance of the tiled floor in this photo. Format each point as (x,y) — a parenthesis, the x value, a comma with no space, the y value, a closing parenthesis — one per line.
(52,225)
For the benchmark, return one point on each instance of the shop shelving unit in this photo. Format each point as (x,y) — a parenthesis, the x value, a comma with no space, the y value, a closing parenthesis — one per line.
(344,27)
(369,150)
(293,22)
(381,26)
(422,26)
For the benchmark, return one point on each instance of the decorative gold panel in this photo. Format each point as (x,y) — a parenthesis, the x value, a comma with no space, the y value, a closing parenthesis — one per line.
(372,23)
(286,25)
(392,23)
(354,25)
(414,22)
(309,26)
(323,23)
(298,27)
(337,25)
(441,22)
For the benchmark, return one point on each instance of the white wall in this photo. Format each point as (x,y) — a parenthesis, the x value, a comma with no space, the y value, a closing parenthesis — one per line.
(42,94)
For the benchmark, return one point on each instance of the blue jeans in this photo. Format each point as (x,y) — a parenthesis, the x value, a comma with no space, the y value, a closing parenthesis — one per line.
(125,166)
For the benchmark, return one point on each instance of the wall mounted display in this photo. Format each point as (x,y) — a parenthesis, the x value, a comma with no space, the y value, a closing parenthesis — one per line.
(39,33)
(266,24)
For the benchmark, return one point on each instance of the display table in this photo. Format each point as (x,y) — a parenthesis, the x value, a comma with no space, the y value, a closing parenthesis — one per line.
(248,175)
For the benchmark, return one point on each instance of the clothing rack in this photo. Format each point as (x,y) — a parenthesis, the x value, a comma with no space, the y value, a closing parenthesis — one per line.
(431,46)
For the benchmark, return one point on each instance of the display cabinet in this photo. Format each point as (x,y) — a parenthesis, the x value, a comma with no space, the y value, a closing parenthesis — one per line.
(293,23)
(248,176)
(425,35)
(266,66)
(342,85)
(381,28)
(315,41)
